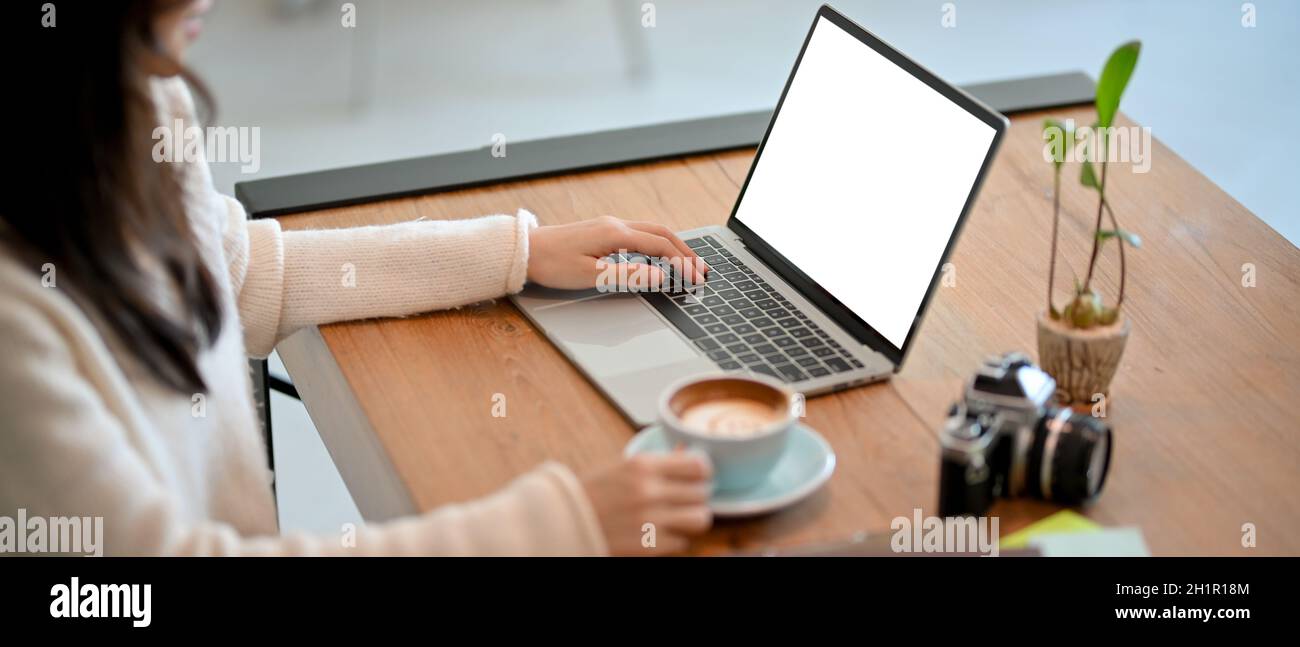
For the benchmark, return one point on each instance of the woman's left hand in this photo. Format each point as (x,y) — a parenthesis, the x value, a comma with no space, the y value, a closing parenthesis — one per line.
(571,257)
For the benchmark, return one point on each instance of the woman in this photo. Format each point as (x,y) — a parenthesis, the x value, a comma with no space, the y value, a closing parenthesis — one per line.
(131,292)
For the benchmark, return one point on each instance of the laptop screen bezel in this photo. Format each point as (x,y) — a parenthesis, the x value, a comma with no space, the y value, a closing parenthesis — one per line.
(810,289)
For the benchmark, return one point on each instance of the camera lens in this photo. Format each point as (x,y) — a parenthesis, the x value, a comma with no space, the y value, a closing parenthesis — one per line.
(1069,457)
(1082,460)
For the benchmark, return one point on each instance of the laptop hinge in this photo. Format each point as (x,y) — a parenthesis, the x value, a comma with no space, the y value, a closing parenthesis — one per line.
(811,292)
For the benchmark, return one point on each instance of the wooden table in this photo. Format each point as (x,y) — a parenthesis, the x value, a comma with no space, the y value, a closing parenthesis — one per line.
(1206,406)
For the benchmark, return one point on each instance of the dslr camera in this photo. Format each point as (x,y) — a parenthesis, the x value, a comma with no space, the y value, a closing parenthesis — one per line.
(1007,439)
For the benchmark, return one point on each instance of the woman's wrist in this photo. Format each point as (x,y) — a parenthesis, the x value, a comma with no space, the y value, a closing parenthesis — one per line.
(525,225)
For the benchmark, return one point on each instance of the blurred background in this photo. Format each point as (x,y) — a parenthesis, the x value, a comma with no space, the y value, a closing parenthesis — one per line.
(419,77)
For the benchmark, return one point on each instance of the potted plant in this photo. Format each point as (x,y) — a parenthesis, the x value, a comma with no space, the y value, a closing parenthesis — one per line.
(1080,345)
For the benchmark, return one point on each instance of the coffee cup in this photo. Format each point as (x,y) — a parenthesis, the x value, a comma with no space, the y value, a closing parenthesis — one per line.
(741,422)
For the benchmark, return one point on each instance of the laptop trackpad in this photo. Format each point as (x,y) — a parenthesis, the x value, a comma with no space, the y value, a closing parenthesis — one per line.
(614,334)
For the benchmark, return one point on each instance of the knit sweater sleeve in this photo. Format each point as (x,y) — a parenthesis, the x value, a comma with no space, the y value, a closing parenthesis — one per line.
(69,449)
(285,280)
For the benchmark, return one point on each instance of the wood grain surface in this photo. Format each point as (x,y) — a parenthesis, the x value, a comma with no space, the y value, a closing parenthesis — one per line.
(1206,405)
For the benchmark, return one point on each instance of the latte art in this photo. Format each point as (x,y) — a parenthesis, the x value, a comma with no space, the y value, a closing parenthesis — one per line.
(733,417)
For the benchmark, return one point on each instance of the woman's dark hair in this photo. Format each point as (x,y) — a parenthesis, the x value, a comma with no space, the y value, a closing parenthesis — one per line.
(91,199)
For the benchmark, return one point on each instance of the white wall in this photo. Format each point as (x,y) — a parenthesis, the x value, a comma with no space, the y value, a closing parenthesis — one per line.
(418,77)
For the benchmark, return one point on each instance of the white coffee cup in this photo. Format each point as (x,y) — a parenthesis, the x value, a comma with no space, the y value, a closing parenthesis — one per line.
(742,422)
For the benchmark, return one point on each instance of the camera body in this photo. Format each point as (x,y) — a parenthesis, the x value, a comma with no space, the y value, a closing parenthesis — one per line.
(1007,439)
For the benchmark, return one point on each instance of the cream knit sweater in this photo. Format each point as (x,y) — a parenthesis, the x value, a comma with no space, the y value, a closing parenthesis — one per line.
(85,431)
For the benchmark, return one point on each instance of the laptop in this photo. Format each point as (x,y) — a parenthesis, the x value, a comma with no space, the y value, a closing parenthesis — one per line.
(833,249)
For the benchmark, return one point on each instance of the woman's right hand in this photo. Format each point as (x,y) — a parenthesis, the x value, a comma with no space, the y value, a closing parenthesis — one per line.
(572,256)
(659,496)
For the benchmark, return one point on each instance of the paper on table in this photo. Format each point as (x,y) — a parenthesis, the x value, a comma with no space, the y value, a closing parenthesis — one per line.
(1065,521)
(1109,542)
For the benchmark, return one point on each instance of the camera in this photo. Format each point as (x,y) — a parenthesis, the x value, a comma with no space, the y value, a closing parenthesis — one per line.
(1007,439)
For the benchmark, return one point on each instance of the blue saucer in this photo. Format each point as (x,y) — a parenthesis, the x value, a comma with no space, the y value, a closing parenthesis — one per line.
(807,463)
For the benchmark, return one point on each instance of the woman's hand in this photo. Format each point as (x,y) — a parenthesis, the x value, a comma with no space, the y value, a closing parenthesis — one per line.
(659,496)
(571,257)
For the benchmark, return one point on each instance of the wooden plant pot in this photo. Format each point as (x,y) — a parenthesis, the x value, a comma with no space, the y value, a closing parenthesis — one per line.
(1082,362)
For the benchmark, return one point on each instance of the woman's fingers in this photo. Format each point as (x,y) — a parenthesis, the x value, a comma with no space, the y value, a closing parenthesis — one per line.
(573,257)
(624,277)
(644,276)
(651,239)
(656,245)
(685,466)
(647,243)
(678,493)
(669,492)
(660,230)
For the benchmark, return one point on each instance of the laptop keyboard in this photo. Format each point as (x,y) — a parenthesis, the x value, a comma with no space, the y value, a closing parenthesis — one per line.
(744,323)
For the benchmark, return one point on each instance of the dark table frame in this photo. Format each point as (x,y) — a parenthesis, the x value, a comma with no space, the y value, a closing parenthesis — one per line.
(573,153)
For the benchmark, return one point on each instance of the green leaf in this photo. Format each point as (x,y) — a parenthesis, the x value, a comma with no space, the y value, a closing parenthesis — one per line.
(1127,236)
(1114,78)
(1088,177)
(1058,137)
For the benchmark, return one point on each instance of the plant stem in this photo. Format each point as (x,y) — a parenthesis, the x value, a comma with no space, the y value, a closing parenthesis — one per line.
(1123,271)
(1056,222)
(1096,230)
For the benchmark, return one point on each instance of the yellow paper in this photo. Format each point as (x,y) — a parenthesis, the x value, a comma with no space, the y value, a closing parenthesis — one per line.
(1061,522)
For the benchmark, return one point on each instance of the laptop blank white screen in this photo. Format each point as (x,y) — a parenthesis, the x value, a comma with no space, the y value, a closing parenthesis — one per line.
(863,177)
